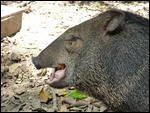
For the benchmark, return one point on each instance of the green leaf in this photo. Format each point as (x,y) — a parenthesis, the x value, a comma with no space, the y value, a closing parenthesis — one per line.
(76,94)
(56,26)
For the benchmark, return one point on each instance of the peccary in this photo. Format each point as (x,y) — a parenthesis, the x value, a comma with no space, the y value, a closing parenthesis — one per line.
(106,57)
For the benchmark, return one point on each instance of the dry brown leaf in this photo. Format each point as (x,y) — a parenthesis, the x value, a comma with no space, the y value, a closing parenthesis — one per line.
(13,67)
(42,72)
(63,92)
(19,79)
(63,108)
(44,97)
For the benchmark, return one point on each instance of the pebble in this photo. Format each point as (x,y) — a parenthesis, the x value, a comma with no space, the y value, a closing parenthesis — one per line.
(23,67)
(15,57)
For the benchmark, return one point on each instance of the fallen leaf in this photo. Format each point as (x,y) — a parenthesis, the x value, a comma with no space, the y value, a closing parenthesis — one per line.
(103,108)
(91,99)
(56,26)
(89,108)
(76,94)
(63,108)
(68,100)
(42,72)
(36,103)
(79,104)
(135,3)
(13,67)
(17,108)
(95,109)
(19,79)
(63,92)
(44,97)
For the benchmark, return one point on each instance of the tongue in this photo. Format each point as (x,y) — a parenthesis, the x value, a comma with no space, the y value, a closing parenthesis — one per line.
(59,74)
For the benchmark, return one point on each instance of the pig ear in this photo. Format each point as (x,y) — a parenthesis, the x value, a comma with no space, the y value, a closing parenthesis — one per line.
(113,20)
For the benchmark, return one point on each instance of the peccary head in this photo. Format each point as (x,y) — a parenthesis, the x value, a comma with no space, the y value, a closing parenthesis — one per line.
(106,57)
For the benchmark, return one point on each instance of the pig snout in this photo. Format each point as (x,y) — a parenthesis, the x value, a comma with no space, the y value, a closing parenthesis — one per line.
(36,63)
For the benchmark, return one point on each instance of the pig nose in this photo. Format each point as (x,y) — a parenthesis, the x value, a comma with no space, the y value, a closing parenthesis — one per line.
(35,62)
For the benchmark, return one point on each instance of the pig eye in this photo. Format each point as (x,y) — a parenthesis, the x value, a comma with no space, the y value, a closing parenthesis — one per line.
(72,38)
(72,43)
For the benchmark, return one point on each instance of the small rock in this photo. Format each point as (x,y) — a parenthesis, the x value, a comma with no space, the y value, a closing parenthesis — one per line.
(23,68)
(17,72)
(15,57)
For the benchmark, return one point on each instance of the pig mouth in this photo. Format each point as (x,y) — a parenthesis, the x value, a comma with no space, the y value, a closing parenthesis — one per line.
(58,73)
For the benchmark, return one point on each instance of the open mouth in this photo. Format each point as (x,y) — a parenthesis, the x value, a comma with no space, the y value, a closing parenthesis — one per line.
(57,74)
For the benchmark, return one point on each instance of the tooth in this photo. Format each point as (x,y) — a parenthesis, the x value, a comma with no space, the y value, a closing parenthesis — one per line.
(53,72)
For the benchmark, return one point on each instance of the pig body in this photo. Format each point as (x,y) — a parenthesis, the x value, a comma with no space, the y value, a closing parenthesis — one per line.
(106,57)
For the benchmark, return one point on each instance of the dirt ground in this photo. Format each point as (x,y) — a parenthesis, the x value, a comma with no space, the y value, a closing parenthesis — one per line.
(22,85)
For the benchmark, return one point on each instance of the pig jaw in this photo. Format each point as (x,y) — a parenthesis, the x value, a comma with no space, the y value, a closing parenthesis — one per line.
(57,77)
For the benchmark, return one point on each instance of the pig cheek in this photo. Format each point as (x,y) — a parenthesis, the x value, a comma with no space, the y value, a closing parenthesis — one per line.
(62,57)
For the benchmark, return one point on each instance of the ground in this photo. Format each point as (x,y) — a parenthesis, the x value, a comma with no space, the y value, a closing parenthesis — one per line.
(22,85)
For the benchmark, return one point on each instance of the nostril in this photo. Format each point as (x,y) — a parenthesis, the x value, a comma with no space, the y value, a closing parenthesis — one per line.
(35,62)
